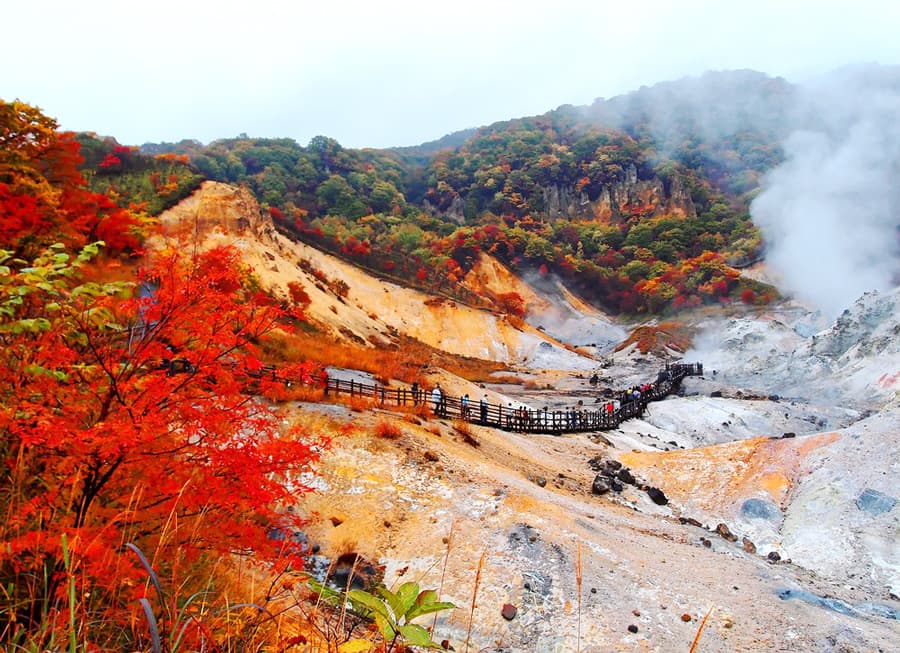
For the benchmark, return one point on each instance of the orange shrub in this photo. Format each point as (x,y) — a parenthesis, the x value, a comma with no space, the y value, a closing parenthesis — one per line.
(387,430)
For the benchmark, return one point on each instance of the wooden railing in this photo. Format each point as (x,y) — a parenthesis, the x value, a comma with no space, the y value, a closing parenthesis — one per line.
(613,411)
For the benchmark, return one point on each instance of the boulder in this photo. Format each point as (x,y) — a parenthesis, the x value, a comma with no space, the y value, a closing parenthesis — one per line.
(657,496)
(601,485)
(875,502)
(626,476)
(760,509)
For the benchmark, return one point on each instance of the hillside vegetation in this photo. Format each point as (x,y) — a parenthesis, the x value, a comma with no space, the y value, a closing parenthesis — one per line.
(640,201)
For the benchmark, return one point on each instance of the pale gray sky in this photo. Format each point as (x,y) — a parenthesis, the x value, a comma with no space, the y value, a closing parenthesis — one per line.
(397,73)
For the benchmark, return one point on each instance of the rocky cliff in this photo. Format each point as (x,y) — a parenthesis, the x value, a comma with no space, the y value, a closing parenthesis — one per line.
(650,196)
(626,196)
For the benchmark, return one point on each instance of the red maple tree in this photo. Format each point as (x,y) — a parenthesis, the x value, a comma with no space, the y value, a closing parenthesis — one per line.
(131,411)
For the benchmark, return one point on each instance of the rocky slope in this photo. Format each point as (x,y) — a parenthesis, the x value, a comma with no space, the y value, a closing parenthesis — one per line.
(618,571)
(372,309)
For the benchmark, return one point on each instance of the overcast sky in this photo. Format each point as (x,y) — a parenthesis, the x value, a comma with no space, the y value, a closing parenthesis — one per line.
(397,73)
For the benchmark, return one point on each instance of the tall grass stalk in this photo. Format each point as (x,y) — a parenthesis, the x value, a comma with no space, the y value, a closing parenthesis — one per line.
(443,573)
(474,597)
(578,579)
(346,591)
(700,629)
(67,561)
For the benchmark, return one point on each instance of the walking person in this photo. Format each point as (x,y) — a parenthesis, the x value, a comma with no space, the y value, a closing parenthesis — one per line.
(437,398)
(464,407)
(483,406)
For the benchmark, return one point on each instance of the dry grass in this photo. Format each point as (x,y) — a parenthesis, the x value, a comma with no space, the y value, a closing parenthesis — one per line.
(465,430)
(297,392)
(507,379)
(360,404)
(405,360)
(412,419)
(387,430)
(532,384)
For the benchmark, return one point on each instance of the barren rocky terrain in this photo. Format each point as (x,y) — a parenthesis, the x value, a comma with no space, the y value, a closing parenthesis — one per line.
(779,465)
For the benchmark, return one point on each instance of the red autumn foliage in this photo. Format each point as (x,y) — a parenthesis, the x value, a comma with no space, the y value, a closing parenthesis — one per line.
(108,445)
(110,162)
(299,297)
(511,303)
(129,412)
(43,196)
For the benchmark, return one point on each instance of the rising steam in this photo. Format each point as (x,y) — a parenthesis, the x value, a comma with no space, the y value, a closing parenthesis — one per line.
(829,213)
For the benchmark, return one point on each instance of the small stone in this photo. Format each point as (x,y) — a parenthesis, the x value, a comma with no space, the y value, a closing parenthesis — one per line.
(773,556)
(686,617)
(691,521)
(749,546)
(726,533)
(636,612)
(445,540)
(336,521)
(509,611)
(632,628)
(445,644)
(705,542)
(541,481)
(727,622)
(387,524)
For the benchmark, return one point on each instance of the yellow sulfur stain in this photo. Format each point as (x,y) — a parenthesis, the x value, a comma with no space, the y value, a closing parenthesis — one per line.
(777,485)
(717,476)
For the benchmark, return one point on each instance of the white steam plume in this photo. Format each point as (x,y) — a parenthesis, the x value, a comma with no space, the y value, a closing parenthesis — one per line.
(829,213)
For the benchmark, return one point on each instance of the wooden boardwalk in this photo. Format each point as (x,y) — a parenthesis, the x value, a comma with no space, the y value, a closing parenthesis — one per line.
(611,412)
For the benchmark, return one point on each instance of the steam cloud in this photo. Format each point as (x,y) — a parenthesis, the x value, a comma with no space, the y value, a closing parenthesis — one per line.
(829,213)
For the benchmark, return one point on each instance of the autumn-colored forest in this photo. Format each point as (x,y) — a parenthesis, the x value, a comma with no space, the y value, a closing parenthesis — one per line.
(422,215)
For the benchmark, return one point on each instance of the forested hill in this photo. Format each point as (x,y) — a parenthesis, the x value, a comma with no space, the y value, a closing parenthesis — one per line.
(640,201)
